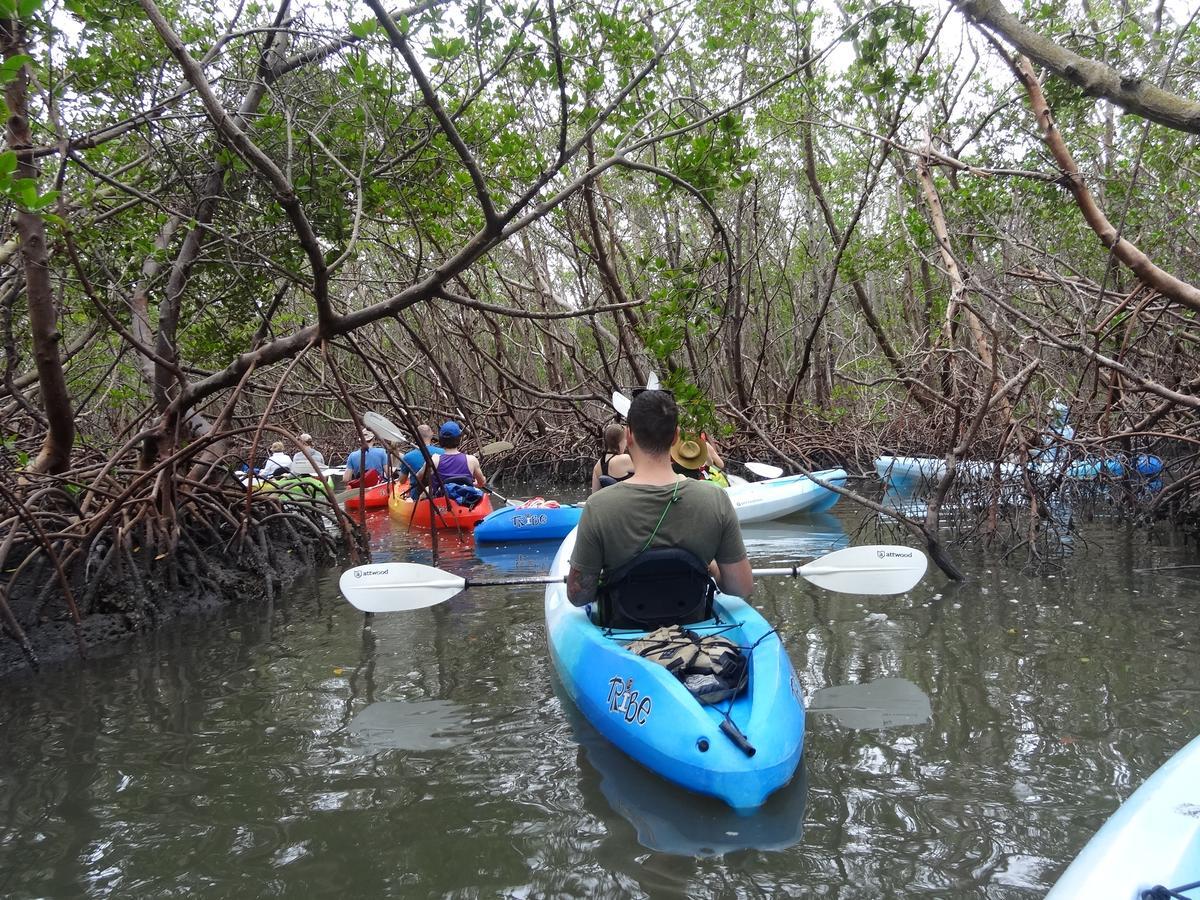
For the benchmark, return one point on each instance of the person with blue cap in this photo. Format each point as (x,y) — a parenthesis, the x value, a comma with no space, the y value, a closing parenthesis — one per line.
(455,474)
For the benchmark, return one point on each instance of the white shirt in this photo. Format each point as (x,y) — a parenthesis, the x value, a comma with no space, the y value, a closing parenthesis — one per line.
(275,462)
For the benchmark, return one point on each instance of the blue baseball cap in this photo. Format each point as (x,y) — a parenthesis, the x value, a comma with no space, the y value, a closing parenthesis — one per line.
(450,430)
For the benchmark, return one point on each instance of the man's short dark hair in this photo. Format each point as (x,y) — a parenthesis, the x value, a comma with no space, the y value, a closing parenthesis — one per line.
(653,418)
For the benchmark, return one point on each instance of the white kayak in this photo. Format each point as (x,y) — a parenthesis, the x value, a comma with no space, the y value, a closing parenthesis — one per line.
(760,501)
(1152,839)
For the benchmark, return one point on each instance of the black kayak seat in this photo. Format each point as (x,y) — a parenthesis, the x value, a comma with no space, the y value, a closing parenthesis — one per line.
(664,586)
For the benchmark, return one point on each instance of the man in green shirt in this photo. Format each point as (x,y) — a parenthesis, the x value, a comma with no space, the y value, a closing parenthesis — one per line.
(657,508)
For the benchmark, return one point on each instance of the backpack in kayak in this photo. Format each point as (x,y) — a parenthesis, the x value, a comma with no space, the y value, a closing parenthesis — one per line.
(461,489)
(713,668)
(664,586)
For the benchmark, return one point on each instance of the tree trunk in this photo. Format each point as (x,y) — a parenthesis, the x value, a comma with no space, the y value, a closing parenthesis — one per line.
(55,455)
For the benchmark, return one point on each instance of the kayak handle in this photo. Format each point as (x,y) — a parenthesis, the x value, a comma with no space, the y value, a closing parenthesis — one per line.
(735,734)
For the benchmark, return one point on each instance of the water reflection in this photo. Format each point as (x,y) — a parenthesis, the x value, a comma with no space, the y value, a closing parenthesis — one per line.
(411,725)
(216,758)
(886,703)
(518,558)
(787,540)
(671,820)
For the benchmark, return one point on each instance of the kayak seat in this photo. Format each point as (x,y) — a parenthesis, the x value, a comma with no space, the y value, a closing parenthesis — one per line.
(664,586)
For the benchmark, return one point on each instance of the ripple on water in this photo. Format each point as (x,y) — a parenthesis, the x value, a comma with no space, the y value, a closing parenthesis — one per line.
(238,756)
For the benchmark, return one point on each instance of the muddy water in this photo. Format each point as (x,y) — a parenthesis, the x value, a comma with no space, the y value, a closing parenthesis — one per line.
(294,750)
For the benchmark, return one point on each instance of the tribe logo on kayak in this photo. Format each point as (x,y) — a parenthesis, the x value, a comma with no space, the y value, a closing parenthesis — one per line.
(532,519)
(624,701)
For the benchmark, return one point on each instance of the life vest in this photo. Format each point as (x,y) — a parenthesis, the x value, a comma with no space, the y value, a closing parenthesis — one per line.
(716,476)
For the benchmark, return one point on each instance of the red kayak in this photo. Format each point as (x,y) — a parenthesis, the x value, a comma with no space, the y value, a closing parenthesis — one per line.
(373,498)
(441,513)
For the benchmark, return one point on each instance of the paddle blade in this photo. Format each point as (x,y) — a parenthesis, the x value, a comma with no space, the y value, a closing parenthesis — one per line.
(652,382)
(620,403)
(763,470)
(496,447)
(396,587)
(384,428)
(870,569)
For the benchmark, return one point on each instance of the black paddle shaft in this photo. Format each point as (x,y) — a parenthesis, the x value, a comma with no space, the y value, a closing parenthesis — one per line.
(503,582)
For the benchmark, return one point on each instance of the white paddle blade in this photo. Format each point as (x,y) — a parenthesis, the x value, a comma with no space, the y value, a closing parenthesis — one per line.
(763,470)
(384,428)
(496,447)
(870,569)
(620,403)
(396,586)
(652,382)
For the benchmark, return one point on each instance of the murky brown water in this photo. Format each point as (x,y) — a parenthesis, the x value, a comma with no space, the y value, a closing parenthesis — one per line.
(294,751)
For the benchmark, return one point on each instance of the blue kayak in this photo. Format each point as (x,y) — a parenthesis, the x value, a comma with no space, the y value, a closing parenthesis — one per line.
(528,523)
(648,713)
(1152,839)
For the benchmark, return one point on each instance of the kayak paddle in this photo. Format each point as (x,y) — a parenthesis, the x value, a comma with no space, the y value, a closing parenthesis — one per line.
(499,496)
(620,403)
(396,587)
(495,447)
(763,470)
(384,428)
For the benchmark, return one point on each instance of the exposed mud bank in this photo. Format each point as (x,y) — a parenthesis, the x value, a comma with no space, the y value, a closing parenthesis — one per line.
(56,641)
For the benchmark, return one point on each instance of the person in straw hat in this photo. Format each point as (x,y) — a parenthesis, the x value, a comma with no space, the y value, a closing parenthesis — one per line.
(689,457)
(697,458)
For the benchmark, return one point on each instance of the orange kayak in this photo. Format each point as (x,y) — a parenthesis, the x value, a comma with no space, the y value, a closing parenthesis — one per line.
(374,497)
(441,513)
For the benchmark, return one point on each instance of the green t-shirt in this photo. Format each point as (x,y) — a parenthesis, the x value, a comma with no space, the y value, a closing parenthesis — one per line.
(618,519)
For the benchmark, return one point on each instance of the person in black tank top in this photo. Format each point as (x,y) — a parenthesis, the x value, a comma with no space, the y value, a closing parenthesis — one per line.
(614,464)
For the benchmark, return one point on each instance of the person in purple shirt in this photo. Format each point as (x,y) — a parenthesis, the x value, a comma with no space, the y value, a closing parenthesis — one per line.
(453,466)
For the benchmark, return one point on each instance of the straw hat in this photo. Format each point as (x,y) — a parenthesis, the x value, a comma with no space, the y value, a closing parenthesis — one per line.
(689,454)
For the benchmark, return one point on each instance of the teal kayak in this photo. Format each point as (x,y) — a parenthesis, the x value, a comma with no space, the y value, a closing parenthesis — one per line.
(1152,839)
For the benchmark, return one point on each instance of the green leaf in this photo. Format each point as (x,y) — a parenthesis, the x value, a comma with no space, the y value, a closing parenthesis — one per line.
(11,66)
(365,29)
(43,201)
(27,8)
(8,162)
